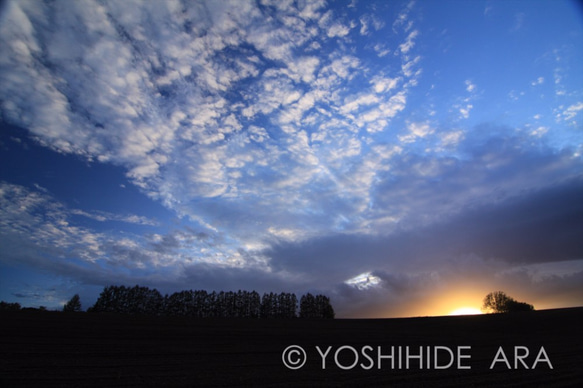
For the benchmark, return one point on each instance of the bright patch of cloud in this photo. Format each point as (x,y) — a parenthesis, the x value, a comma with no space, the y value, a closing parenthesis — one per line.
(364,281)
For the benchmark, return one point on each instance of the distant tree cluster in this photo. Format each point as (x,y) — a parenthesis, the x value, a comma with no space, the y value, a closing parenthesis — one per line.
(499,302)
(5,306)
(202,304)
(282,305)
(129,300)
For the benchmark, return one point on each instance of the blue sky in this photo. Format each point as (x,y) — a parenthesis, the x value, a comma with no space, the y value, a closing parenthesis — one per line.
(404,158)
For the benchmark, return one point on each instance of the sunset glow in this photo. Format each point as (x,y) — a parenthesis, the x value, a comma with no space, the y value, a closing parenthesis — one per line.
(466,311)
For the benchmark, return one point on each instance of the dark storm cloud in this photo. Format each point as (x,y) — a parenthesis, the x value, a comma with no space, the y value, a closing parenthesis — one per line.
(212,277)
(21,295)
(538,226)
(491,165)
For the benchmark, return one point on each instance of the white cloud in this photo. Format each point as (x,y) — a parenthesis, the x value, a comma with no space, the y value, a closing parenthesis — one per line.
(409,42)
(450,139)
(338,30)
(107,216)
(366,21)
(45,234)
(539,132)
(382,84)
(403,17)
(37,219)
(515,95)
(258,134)
(377,119)
(302,69)
(187,120)
(381,50)
(310,9)
(295,112)
(355,102)
(465,111)
(343,67)
(416,130)
(333,27)
(364,24)
(420,129)
(287,234)
(572,111)
(408,67)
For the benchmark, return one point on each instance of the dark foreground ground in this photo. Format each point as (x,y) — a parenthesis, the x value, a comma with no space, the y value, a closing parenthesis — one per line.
(50,349)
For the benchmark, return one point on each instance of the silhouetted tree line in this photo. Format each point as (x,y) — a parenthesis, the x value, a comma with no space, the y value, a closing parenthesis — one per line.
(202,304)
(5,306)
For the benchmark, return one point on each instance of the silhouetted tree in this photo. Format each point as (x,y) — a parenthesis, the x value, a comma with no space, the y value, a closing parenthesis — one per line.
(316,307)
(126,300)
(144,301)
(287,305)
(324,307)
(499,302)
(268,305)
(254,305)
(106,302)
(201,304)
(73,305)
(308,306)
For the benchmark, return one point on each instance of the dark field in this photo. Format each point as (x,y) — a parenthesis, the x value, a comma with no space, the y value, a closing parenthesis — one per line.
(50,349)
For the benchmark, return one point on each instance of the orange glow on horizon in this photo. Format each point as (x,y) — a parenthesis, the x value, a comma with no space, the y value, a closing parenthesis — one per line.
(458,299)
(466,311)
(465,298)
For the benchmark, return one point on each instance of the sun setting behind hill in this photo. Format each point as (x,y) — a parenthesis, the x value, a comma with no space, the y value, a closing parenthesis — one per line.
(466,311)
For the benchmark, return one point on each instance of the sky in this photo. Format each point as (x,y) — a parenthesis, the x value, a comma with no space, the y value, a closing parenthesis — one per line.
(403,158)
